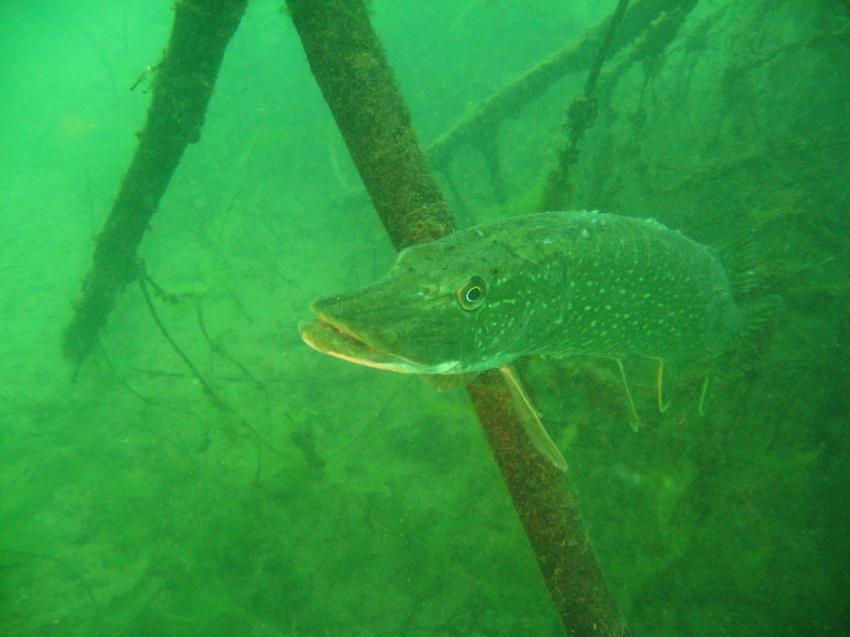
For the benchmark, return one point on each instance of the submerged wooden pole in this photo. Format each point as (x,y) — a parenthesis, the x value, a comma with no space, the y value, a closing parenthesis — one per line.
(349,65)
(550,516)
(352,71)
(182,87)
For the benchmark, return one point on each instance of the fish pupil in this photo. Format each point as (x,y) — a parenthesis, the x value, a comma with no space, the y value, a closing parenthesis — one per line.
(471,295)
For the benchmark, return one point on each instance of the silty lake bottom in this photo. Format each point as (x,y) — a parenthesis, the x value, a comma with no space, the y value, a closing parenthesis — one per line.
(296,494)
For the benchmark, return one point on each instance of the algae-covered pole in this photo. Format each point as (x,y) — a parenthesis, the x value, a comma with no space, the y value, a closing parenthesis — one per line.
(352,72)
(350,68)
(182,89)
(550,515)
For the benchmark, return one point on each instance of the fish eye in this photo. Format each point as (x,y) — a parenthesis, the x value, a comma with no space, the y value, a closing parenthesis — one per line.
(471,295)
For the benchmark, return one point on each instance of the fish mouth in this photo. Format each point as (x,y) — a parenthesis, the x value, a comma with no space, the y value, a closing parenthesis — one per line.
(334,338)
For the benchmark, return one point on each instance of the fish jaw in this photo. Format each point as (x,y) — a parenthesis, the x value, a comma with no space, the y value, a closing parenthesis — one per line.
(335,339)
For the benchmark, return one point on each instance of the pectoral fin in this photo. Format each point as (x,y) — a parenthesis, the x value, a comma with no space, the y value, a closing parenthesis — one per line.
(659,387)
(634,419)
(703,405)
(530,420)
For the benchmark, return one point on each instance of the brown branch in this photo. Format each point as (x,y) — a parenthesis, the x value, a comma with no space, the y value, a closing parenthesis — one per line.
(359,88)
(350,67)
(209,392)
(184,84)
(481,127)
(483,124)
(550,515)
(581,114)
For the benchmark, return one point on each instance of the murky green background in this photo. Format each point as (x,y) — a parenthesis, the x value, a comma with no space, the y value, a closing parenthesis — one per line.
(338,500)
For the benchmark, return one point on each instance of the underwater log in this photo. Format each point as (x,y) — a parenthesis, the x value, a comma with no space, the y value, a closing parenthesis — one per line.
(182,87)
(550,516)
(358,86)
(350,67)
(481,126)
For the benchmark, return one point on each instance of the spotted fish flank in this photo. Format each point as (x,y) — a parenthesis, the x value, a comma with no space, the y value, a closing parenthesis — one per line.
(555,283)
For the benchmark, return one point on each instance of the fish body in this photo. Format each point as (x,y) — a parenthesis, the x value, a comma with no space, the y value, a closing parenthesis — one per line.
(554,283)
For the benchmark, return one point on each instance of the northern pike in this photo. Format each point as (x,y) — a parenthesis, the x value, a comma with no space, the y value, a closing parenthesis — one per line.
(552,283)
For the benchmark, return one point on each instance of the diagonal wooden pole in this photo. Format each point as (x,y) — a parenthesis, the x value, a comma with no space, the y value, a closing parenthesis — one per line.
(351,69)
(182,88)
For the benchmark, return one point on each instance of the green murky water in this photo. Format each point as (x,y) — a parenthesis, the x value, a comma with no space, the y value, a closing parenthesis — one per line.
(331,499)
